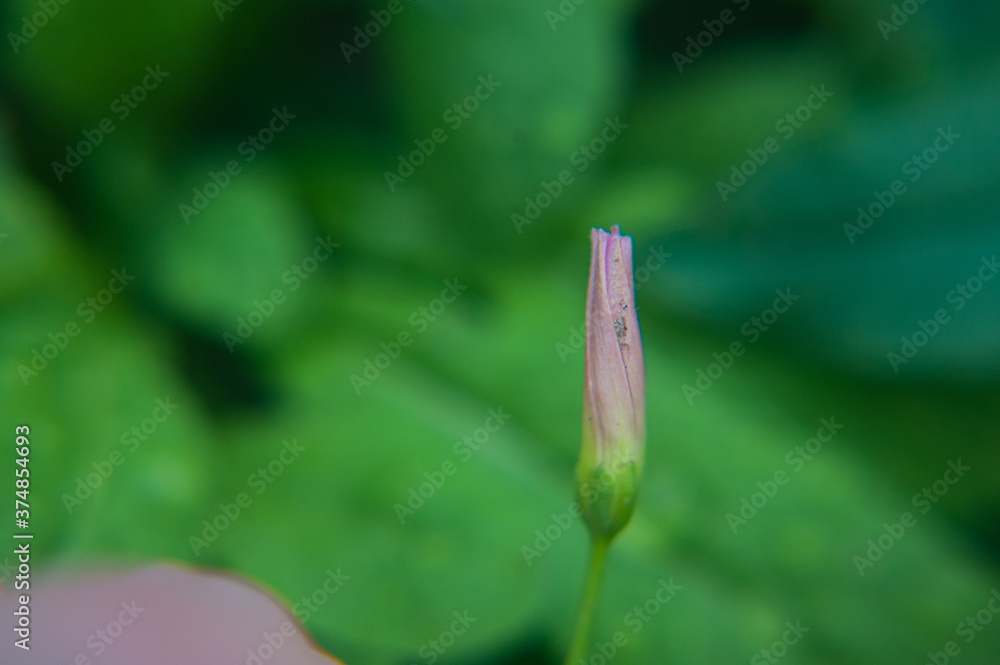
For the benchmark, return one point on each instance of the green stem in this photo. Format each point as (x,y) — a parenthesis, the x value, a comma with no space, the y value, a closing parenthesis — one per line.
(581,636)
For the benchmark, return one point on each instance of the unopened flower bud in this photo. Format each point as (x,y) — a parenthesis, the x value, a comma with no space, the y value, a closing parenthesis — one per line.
(614,392)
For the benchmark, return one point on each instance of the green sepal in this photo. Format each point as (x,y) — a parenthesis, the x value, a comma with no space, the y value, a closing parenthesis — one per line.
(607,497)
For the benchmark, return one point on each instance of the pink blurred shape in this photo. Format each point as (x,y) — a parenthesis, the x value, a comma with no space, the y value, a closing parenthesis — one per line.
(159,615)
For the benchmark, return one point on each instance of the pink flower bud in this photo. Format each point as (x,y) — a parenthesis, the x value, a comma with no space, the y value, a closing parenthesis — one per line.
(614,392)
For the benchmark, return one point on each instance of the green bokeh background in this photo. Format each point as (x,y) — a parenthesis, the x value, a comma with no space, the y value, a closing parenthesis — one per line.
(507,342)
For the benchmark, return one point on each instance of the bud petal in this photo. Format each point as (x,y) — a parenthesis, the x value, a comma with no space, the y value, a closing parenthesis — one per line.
(614,393)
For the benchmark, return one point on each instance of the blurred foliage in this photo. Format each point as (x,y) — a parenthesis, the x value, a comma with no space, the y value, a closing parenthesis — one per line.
(507,341)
